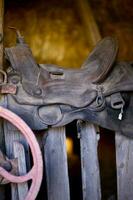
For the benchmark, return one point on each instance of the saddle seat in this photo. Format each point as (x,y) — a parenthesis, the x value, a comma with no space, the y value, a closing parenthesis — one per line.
(51,96)
(51,85)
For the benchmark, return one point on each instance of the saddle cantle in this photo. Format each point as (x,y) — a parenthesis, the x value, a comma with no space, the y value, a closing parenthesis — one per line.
(100,92)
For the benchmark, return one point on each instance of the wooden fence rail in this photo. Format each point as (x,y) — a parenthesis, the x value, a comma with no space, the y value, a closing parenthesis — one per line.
(56,166)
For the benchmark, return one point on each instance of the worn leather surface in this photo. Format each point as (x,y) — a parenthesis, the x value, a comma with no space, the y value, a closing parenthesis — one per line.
(48,95)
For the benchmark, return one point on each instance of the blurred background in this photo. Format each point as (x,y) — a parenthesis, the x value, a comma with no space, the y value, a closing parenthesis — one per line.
(57,32)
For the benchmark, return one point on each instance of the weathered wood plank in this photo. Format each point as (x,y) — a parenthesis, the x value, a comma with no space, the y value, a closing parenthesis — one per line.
(56,164)
(2,147)
(88,142)
(13,135)
(2,188)
(1,33)
(124,161)
(19,153)
(89,162)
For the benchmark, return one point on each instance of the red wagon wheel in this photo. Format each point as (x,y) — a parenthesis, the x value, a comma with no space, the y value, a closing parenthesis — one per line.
(36,172)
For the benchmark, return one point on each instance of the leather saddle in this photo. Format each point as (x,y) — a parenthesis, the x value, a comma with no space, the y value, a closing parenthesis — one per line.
(48,95)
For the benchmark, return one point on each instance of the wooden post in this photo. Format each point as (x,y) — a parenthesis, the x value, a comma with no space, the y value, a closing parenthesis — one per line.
(19,153)
(89,158)
(1,33)
(2,188)
(124,161)
(12,139)
(56,164)
(89,162)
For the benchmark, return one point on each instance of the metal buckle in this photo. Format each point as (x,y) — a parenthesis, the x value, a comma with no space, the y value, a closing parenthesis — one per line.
(5,77)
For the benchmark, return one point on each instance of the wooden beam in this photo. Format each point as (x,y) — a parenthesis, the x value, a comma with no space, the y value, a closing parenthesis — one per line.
(91,186)
(1,32)
(56,164)
(1,61)
(89,162)
(19,153)
(13,135)
(2,188)
(124,161)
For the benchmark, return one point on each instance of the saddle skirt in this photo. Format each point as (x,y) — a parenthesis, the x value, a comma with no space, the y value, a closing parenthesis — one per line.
(100,92)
